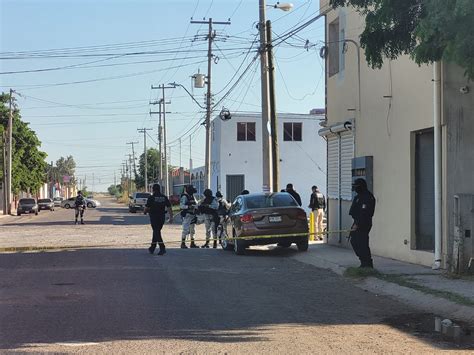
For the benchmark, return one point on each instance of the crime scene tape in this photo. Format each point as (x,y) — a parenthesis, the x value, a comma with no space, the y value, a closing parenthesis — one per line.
(210,240)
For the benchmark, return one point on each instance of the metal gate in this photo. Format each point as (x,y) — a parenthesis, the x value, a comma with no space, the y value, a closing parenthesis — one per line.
(234,186)
(424,190)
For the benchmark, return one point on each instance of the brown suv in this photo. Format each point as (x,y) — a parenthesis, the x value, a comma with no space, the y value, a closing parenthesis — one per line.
(276,217)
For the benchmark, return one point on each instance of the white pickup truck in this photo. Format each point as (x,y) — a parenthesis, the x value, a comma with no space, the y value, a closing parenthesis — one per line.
(138,201)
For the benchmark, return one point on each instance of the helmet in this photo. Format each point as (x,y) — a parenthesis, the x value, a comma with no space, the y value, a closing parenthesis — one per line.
(190,189)
(218,194)
(79,192)
(207,193)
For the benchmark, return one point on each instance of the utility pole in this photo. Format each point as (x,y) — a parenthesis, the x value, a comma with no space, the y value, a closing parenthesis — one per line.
(5,198)
(9,154)
(163,102)
(145,155)
(266,163)
(160,132)
(210,37)
(273,115)
(190,159)
(134,159)
(130,173)
(180,152)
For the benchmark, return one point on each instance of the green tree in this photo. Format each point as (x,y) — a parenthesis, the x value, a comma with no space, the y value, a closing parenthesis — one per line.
(153,159)
(28,161)
(427,30)
(64,167)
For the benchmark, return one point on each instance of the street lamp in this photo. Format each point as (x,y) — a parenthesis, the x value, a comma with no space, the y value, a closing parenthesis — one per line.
(286,6)
(269,183)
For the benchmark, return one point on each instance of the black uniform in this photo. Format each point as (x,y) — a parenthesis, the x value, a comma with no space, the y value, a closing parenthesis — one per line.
(362,210)
(317,201)
(295,195)
(80,206)
(157,205)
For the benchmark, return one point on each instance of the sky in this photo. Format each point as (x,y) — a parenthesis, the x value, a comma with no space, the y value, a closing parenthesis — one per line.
(83,71)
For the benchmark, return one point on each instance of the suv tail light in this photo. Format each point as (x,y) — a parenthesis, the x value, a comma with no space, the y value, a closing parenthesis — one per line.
(301,215)
(246,218)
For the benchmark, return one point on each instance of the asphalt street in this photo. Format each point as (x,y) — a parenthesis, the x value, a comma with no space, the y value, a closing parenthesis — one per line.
(109,295)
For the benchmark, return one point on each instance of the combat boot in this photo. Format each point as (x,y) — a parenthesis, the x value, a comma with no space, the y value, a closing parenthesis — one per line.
(193,245)
(183,245)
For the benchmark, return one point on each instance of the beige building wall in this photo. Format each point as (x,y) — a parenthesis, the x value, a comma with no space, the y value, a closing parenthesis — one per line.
(395,101)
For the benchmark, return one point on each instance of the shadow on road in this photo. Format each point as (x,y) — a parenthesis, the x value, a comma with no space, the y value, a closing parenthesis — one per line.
(98,295)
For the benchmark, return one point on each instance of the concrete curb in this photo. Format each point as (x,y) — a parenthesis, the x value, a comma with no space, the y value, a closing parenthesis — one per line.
(411,297)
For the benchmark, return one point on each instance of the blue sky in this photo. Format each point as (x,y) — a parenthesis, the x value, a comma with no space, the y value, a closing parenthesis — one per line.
(91,109)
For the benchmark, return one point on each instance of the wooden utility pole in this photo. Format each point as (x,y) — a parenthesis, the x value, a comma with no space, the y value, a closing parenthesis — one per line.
(134,159)
(9,155)
(210,37)
(160,133)
(273,116)
(145,155)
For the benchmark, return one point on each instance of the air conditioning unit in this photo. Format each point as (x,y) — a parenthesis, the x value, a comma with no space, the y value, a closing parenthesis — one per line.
(463,243)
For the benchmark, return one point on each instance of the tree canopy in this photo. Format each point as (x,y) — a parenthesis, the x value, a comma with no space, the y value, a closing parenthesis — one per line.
(427,30)
(153,168)
(28,161)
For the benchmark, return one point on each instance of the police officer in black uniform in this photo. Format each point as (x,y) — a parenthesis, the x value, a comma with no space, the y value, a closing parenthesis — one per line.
(80,206)
(156,206)
(362,210)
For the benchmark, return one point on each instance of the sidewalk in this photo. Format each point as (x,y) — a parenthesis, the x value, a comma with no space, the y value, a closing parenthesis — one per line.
(429,290)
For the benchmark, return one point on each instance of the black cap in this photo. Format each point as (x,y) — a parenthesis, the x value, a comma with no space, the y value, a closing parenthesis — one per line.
(218,194)
(156,188)
(360,183)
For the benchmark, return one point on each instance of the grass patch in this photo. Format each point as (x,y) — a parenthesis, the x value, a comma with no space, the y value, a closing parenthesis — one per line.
(360,272)
(403,281)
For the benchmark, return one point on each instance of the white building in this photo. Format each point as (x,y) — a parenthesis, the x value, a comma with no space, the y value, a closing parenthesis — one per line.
(236,149)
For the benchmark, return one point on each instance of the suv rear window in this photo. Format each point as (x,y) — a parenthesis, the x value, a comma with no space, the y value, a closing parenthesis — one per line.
(142,195)
(44,200)
(274,200)
(27,201)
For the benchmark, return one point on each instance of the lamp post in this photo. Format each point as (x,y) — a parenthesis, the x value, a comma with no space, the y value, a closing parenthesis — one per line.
(267,147)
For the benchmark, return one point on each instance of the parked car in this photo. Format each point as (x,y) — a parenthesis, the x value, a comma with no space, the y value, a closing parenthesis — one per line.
(138,201)
(70,203)
(266,215)
(91,202)
(57,201)
(45,204)
(27,205)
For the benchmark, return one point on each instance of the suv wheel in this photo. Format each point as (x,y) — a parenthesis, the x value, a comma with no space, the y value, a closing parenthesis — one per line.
(89,205)
(36,213)
(67,206)
(303,245)
(18,213)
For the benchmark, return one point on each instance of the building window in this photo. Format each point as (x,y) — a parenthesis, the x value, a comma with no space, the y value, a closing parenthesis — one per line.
(292,131)
(246,131)
(333,47)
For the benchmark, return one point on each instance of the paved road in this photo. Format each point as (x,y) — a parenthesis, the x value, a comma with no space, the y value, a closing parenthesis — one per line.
(120,299)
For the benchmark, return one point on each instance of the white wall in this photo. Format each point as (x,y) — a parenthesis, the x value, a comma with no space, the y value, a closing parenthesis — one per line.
(299,161)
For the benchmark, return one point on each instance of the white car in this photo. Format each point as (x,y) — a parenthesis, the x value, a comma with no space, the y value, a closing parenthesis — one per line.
(70,203)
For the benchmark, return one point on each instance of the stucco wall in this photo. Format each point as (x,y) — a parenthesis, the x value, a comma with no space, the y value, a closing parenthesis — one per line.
(299,161)
(384,130)
(458,110)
